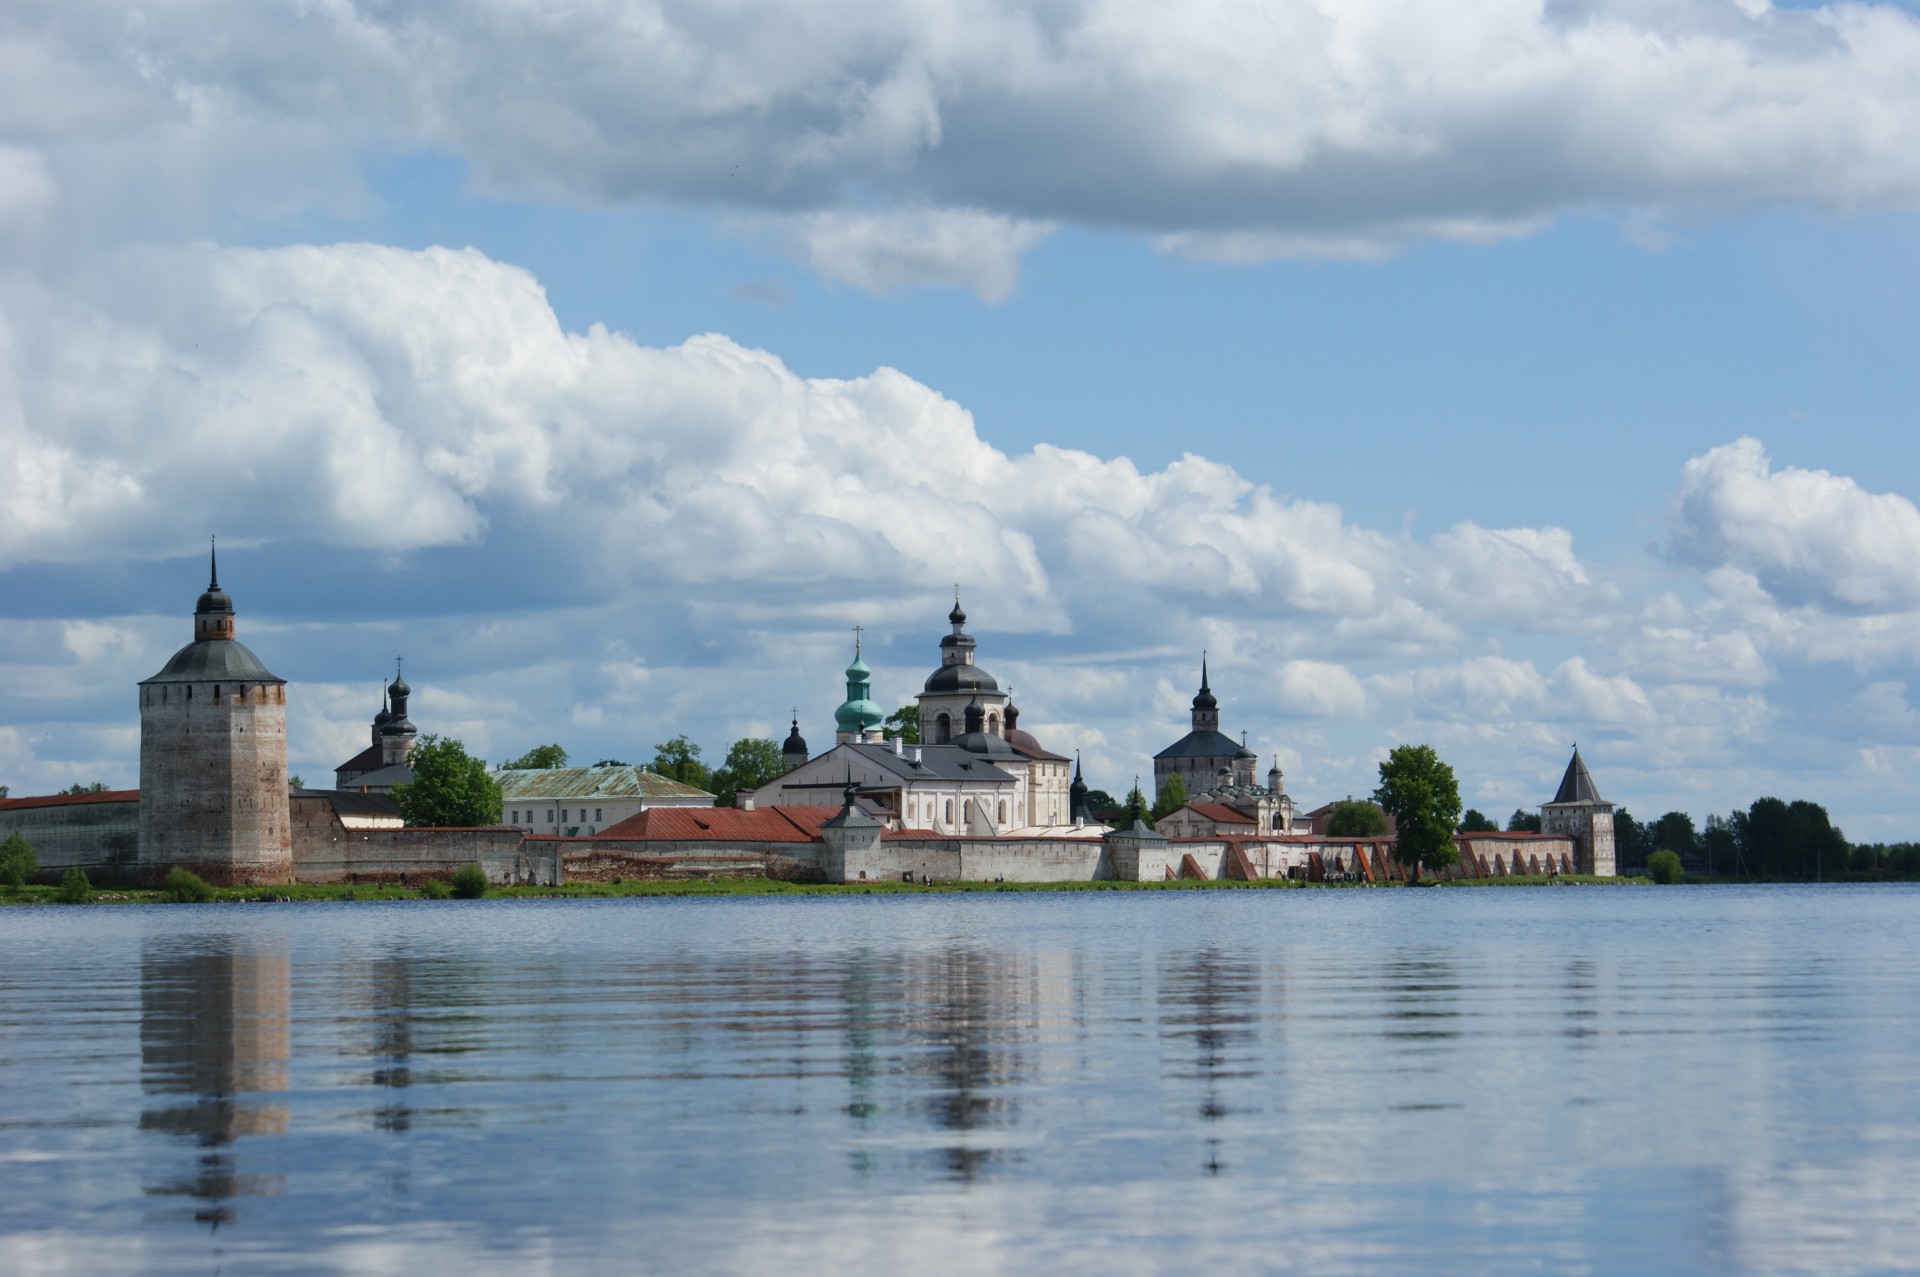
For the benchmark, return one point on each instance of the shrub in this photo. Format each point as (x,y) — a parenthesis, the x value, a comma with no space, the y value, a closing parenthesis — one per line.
(435,889)
(469,882)
(183,886)
(1664,867)
(17,861)
(75,889)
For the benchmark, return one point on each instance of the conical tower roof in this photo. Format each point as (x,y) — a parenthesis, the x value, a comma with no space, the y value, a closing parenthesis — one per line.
(1577,785)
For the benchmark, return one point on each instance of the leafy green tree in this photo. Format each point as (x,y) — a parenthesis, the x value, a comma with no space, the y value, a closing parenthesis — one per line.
(1172,797)
(904,723)
(450,787)
(1135,809)
(679,759)
(612,762)
(17,860)
(97,787)
(1720,840)
(1674,832)
(1099,802)
(750,764)
(5,790)
(1474,821)
(296,781)
(1664,867)
(75,889)
(185,887)
(1523,821)
(1352,818)
(1631,841)
(1420,793)
(539,758)
(469,882)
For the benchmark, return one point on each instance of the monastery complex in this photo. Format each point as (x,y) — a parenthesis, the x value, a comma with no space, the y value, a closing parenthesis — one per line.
(977,798)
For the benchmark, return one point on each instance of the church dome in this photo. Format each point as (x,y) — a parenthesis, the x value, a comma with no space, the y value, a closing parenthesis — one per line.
(952,679)
(795,742)
(858,714)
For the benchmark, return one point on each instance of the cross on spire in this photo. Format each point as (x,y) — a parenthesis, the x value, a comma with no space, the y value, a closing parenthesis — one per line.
(857,631)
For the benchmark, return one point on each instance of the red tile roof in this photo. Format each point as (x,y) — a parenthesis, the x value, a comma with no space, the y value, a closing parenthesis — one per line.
(722,824)
(68,800)
(1221,814)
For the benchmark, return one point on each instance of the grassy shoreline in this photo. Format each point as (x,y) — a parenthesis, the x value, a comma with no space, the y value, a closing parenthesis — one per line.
(343,892)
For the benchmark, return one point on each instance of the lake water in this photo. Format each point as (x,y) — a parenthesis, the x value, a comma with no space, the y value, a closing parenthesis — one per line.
(1563,1080)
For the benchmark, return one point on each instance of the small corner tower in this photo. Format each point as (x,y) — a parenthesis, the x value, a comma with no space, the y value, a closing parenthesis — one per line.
(1579,813)
(213,758)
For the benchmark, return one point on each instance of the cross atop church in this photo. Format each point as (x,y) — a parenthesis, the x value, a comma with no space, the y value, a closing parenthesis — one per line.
(857,631)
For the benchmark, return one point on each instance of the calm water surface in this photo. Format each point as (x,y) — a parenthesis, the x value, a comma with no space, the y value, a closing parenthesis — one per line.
(1695,1080)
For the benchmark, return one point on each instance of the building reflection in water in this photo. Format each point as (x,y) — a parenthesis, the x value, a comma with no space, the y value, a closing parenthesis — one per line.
(213,1058)
(1210,998)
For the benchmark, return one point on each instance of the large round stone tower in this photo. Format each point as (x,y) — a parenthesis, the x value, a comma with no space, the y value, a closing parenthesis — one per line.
(213,758)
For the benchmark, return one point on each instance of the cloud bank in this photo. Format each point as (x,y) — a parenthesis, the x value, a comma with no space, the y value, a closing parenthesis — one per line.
(887,143)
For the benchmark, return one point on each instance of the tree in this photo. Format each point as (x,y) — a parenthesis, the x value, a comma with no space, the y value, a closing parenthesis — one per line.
(1664,867)
(1172,797)
(1352,818)
(679,759)
(450,787)
(1475,822)
(904,723)
(539,759)
(1101,803)
(296,781)
(5,790)
(1721,843)
(97,787)
(1631,840)
(1136,808)
(75,888)
(1421,794)
(1674,832)
(612,762)
(750,764)
(1523,821)
(17,861)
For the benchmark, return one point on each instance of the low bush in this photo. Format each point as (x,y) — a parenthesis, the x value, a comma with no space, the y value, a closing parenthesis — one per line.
(435,889)
(17,861)
(183,886)
(469,882)
(75,889)
(1664,867)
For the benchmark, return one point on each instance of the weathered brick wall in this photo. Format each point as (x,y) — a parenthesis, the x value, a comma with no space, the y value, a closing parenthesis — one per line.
(213,772)
(101,838)
(324,850)
(603,860)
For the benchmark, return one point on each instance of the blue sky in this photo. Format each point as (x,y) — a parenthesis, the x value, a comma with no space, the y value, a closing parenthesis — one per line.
(1498,378)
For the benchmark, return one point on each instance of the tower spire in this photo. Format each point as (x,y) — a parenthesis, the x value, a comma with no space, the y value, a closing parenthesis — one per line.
(213,562)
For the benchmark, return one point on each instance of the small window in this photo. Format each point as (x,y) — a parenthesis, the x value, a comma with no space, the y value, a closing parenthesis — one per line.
(549,815)
(949,811)
(596,815)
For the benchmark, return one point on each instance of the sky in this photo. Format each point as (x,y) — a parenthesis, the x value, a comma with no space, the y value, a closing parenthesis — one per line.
(1496,376)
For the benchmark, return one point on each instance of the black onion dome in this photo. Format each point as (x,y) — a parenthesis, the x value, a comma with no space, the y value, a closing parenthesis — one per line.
(795,742)
(398,688)
(957,616)
(1244,752)
(961,678)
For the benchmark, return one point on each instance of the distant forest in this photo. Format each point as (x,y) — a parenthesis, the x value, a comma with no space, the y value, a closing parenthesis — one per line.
(1772,839)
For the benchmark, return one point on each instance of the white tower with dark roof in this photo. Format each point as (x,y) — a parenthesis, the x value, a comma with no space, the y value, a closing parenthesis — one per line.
(213,758)
(1578,812)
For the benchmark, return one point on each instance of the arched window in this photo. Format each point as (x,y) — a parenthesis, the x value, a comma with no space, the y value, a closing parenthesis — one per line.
(993,724)
(949,802)
(942,733)
(1003,811)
